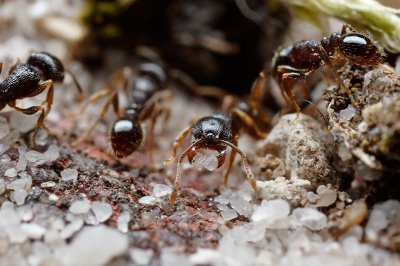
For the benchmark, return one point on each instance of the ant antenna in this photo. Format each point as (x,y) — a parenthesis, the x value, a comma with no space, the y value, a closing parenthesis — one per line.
(247,169)
(80,91)
(179,170)
(319,111)
(255,17)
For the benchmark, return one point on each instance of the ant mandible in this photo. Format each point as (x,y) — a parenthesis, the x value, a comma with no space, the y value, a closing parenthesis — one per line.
(24,79)
(143,84)
(222,130)
(300,60)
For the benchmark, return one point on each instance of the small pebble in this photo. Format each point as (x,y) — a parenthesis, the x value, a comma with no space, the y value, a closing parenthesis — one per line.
(48,184)
(69,174)
(102,211)
(228,215)
(12,172)
(148,200)
(161,190)
(19,196)
(79,207)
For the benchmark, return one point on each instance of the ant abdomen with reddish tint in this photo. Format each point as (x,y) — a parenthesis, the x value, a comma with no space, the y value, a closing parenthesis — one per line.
(300,60)
(221,130)
(24,81)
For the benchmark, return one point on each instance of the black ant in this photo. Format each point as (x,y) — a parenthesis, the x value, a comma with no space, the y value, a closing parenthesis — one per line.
(222,130)
(24,79)
(143,85)
(300,60)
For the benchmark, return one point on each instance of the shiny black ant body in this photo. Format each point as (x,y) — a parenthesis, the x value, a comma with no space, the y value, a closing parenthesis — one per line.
(300,60)
(143,85)
(24,80)
(222,130)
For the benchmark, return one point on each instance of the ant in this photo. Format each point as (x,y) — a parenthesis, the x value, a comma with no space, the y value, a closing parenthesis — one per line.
(143,85)
(24,79)
(300,60)
(221,130)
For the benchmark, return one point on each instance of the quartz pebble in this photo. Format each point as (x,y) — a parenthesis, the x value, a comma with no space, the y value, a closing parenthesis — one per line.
(161,190)
(33,231)
(24,183)
(148,200)
(141,257)
(12,172)
(101,210)
(310,218)
(69,174)
(122,222)
(71,228)
(19,196)
(327,196)
(228,215)
(93,246)
(79,207)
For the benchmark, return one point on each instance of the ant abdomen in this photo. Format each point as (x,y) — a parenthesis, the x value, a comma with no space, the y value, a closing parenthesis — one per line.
(23,80)
(125,136)
(50,66)
(360,50)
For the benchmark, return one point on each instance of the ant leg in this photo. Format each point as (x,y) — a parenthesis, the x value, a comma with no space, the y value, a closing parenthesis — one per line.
(94,98)
(285,79)
(158,111)
(328,63)
(249,121)
(257,92)
(231,160)
(247,169)
(203,91)
(179,171)
(1,66)
(102,114)
(178,142)
(78,86)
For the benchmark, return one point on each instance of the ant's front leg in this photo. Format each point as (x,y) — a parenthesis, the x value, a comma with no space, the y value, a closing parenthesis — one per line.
(34,109)
(289,75)
(178,142)
(231,160)
(112,100)
(328,63)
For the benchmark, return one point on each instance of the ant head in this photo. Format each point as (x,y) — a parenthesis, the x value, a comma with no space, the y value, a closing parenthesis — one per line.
(125,136)
(360,50)
(50,66)
(211,129)
(208,133)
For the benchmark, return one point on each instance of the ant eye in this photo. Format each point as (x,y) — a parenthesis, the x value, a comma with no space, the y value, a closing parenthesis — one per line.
(359,49)
(125,136)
